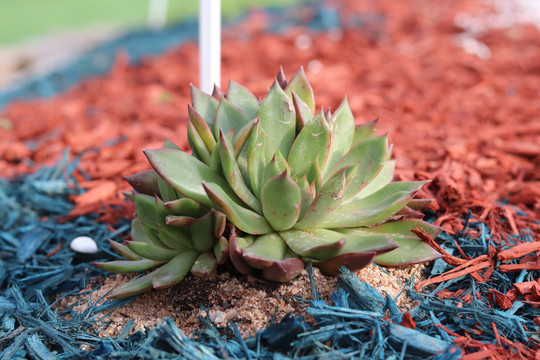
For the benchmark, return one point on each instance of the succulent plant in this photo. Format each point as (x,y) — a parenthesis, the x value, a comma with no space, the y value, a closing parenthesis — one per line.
(269,185)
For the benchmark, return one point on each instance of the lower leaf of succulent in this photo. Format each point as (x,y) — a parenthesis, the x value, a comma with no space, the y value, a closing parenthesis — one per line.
(275,256)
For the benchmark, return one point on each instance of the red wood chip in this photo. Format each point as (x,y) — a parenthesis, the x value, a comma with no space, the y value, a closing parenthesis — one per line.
(500,299)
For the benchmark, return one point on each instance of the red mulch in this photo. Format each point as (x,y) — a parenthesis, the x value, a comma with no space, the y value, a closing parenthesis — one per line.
(470,125)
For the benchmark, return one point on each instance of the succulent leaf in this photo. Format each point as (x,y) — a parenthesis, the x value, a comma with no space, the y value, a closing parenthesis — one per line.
(281,210)
(256,160)
(342,128)
(373,209)
(244,99)
(205,266)
(301,87)
(151,252)
(124,250)
(202,128)
(128,266)
(365,131)
(242,136)
(202,233)
(329,198)
(133,287)
(205,105)
(244,219)
(284,270)
(221,250)
(144,182)
(229,118)
(383,178)
(317,244)
(234,176)
(145,205)
(311,144)
(303,113)
(175,270)
(171,165)
(236,246)
(197,145)
(265,250)
(185,206)
(353,261)
(278,120)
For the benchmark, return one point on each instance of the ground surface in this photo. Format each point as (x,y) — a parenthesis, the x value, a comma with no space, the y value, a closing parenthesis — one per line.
(467,120)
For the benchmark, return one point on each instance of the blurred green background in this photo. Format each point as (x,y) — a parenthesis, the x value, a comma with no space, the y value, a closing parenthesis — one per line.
(23,19)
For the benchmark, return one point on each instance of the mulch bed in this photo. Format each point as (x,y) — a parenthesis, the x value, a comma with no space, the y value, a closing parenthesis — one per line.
(469,123)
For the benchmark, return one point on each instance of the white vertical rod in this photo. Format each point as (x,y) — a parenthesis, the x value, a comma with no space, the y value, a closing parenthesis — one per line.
(157,13)
(209,44)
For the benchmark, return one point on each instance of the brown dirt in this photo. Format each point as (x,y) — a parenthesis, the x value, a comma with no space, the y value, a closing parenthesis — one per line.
(249,302)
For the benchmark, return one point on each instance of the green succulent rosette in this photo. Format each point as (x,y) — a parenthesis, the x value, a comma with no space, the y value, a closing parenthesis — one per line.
(270,185)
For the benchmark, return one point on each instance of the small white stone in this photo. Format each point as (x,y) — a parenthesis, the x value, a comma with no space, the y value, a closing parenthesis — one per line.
(84,245)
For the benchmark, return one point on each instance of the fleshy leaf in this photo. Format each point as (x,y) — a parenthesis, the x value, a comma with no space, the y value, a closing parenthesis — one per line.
(202,233)
(134,287)
(146,209)
(124,250)
(317,244)
(175,270)
(236,246)
(242,136)
(244,219)
(221,250)
(185,206)
(373,209)
(284,270)
(205,266)
(229,117)
(205,105)
(411,249)
(166,191)
(301,87)
(233,175)
(197,145)
(219,222)
(151,252)
(202,128)
(278,120)
(364,131)
(265,250)
(256,159)
(303,112)
(361,240)
(342,129)
(144,182)
(369,155)
(353,262)
(138,233)
(281,199)
(307,195)
(311,144)
(328,199)
(383,178)
(174,165)
(244,99)
(127,266)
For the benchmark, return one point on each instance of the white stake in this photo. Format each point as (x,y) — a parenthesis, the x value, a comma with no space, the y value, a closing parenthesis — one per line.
(157,13)
(209,44)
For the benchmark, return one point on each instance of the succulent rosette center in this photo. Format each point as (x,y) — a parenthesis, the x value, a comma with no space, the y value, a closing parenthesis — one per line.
(270,185)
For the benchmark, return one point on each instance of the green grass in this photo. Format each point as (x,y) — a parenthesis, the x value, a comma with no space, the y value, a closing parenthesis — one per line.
(22,19)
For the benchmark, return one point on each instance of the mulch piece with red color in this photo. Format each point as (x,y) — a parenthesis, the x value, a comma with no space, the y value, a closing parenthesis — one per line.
(470,124)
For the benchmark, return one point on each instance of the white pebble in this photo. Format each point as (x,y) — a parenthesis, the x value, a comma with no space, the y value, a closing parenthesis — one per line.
(84,245)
